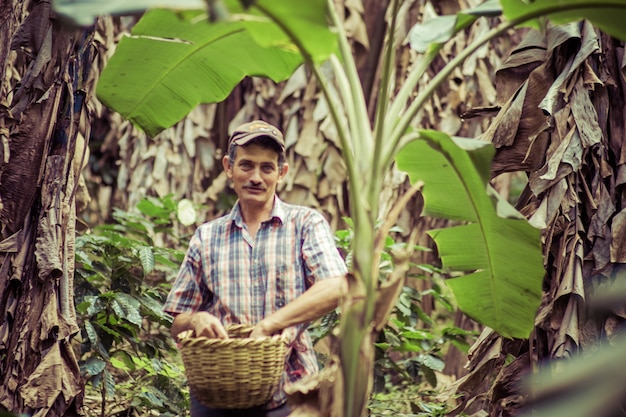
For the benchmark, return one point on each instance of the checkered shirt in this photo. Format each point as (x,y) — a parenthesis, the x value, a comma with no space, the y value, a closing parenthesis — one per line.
(241,280)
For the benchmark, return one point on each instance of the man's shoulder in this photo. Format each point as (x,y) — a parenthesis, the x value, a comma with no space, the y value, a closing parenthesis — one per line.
(298,211)
(215,224)
(301,216)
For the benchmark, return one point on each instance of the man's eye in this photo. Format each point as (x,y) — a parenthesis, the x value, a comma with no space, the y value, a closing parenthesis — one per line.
(268,169)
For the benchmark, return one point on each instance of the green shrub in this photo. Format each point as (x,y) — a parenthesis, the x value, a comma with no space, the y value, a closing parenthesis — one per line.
(128,358)
(411,347)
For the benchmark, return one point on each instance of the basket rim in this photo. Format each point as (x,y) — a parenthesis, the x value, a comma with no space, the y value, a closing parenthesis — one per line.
(188,337)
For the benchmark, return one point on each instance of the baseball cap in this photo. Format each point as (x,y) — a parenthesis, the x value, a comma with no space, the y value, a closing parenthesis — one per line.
(256,129)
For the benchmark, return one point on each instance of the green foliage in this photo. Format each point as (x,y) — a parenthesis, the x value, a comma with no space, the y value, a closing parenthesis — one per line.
(84,12)
(121,281)
(498,247)
(411,346)
(495,293)
(608,15)
(405,399)
(174,45)
(170,58)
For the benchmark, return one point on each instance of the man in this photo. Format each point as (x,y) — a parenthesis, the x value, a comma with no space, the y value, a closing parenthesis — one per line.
(266,263)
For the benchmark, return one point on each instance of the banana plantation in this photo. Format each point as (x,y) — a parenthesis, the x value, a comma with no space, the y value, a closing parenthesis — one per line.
(469,157)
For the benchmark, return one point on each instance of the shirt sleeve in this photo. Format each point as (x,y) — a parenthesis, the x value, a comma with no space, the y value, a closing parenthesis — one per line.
(189,293)
(322,259)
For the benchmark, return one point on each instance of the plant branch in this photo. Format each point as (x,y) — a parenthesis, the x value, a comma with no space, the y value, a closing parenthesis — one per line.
(362,134)
(347,150)
(394,137)
(433,85)
(384,94)
(345,91)
(392,217)
(407,88)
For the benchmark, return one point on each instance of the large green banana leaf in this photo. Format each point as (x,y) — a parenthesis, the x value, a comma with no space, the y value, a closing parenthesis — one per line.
(174,61)
(85,12)
(608,15)
(498,250)
(155,81)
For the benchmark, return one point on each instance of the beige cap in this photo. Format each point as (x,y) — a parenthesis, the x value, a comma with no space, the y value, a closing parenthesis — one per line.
(256,129)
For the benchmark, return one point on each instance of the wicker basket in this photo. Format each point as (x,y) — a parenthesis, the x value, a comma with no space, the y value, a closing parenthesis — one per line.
(239,372)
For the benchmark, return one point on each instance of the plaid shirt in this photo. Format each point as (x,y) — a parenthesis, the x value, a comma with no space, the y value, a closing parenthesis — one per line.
(241,279)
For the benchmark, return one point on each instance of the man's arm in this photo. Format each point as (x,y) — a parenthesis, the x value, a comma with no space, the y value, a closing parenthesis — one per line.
(201,322)
(322,297)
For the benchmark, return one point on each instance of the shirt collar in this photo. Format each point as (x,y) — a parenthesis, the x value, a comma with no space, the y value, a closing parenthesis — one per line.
(278,212)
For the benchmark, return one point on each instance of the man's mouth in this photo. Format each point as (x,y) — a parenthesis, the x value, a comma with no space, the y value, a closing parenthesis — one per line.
(254,189)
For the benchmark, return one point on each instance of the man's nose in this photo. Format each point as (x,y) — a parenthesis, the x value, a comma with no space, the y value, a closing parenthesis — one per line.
(256,175)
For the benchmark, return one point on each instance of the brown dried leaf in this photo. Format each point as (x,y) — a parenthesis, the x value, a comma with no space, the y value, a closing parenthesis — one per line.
(515,70)
(618,237)
(589,45)
(527,151)
(334,168)
(585,116)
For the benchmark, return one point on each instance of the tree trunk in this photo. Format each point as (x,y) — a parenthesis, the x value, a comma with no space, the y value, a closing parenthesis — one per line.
(43,74)
(562,121)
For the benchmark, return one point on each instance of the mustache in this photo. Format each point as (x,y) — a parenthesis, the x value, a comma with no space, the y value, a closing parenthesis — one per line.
(253,186)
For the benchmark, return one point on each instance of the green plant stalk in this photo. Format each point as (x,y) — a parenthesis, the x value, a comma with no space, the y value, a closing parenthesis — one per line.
(354,328)
(431,87)
(405,92)
(381,105)
(341,81)
(347,149)
(362,133)
(404,122)
(356,369)
(356,376)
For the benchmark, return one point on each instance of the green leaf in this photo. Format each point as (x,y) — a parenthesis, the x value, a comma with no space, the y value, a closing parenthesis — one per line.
(431,362)
(170,64)
(92,366)
(502,256)
(128,308)
(382,345)
(307,21)
(92,335)
(175,61)
(108,330)
(153,208)
(417,335)
(429,375)
(607,15)
(109,384)
(407,346)
(438,30)
(151,399)
(84,12)
(146,256)
(122,360)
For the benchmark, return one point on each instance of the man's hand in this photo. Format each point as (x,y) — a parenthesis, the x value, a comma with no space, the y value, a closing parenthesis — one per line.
(207,325)
(202,323)
(318,300)
(262,329)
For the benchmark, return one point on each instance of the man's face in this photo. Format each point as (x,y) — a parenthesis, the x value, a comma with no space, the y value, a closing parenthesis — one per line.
(255,174)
